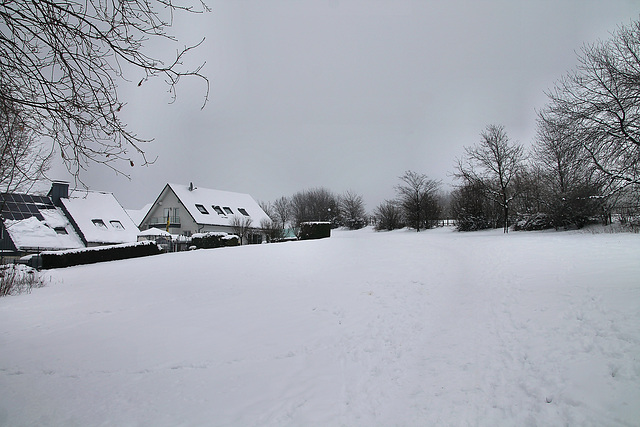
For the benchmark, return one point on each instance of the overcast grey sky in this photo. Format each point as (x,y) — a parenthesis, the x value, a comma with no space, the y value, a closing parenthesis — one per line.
(348,94)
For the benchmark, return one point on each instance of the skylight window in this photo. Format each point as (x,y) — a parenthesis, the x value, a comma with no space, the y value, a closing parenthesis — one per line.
(202,209)
(116,224)
(99,223)
(60,230)
(243,211)
(218,210)
(228,210)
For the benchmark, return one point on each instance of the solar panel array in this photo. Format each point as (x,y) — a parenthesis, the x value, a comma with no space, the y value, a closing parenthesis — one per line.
(22,206)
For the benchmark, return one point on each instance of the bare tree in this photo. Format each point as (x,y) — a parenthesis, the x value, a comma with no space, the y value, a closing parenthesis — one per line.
(318,204)
(572,188)
(271,230)
(352,210)
(600,102)
(417,196)
(388,216)
(61,60)
(282,210)
(241,225)
(494,164)
(23,160)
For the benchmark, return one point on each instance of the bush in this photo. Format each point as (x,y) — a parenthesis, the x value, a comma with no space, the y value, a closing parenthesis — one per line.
(388,216)
(18,279)
(538,221)
(214,240)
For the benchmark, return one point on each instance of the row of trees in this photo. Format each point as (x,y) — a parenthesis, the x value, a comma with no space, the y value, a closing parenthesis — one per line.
(317,204)
(585,161)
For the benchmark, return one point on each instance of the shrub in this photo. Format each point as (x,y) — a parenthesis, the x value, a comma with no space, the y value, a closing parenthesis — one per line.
(214,240)
(18,279)
(538,221)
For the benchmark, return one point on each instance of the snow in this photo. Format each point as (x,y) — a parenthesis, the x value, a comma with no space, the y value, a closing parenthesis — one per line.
(33,233)
(209,198)
(361,329)
(93,205)
(154,232)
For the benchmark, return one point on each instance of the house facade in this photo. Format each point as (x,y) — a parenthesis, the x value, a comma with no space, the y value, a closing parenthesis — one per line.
(187,210)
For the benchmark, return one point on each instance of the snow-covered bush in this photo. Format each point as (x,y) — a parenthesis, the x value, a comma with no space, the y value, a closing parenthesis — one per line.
(18,279)
(538,221)
(214,240)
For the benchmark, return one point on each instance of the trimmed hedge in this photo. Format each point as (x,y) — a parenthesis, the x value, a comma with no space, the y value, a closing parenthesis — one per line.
(61,259)
(315,230)
(214,240)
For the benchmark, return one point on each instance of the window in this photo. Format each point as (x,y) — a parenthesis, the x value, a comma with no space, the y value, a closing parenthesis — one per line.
(228,210)
(60,230)
(116,224)
(218,210)
(202,209)
(243,211)
(99,223)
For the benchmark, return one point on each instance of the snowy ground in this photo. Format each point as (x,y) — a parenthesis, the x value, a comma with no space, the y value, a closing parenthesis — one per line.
(362,329)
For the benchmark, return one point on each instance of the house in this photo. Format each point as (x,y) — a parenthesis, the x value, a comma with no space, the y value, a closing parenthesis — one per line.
(186,210)
(31,224)
(97,217)
(34,223)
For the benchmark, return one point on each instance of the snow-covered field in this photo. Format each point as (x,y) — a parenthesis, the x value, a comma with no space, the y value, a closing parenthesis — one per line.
(362,329)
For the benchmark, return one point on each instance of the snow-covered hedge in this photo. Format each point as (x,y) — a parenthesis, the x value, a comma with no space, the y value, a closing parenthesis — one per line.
(214,240)
(60,259)
(315,230)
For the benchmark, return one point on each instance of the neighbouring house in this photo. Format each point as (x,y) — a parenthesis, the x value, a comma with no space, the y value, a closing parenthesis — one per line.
(34,223)
(186,210)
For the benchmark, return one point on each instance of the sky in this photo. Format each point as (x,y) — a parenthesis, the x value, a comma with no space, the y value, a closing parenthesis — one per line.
(347,94)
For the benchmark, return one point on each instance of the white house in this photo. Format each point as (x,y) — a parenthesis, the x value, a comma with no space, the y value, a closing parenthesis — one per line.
(99,219)
(186,210)
(33,223)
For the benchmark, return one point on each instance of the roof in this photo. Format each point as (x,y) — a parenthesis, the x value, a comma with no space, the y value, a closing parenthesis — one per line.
(31,233)
(137,215)
(220,206)
(154,232)
(31,222)
(101,218)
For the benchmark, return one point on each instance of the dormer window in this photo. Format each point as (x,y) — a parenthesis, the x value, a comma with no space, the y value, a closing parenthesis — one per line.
(99,223)
(228,210)
(218,210)
(202,209)
(116,224)
(243,211)
(60,230)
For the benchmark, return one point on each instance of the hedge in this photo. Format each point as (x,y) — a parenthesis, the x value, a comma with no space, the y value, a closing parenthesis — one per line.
(61,259)
(214,240)
(315,230)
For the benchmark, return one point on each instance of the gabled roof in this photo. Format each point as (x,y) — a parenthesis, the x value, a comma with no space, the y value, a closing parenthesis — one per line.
(31,222)
(100,218)
(215,201)
(32,233)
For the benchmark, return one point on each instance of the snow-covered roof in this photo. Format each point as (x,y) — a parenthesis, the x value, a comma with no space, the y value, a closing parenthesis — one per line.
(137,215)
(154,232)
(217,207)
(31,233)
(101,218)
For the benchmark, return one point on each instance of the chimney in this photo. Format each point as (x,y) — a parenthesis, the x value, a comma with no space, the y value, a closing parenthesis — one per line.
(59,190)
(191,186)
